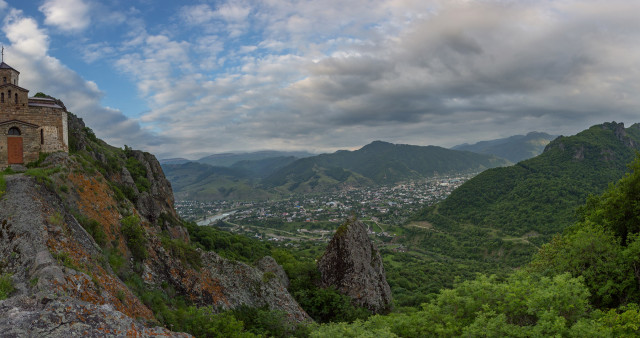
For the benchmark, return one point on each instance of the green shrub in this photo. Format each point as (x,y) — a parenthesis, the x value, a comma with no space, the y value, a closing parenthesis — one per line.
(6,285)
(115,259)
(56,219)
(38,162)
(135,235)
(94,228)
(64,259)
(186,253)
(138,173)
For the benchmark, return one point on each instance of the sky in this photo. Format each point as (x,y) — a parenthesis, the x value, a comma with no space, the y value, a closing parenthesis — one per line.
(192,78)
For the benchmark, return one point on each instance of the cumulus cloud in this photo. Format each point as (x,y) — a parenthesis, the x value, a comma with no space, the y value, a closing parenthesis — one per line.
(233,16)
(28,52)
(66,15)
(322,75)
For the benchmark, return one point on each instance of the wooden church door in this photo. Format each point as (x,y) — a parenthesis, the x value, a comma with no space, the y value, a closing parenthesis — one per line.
(14,146)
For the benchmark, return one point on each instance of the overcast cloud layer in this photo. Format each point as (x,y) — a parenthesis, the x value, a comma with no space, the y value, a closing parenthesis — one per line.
(215,76)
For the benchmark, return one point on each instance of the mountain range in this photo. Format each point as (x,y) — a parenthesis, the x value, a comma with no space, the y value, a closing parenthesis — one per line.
(376,163)
(514,148)
(229,159)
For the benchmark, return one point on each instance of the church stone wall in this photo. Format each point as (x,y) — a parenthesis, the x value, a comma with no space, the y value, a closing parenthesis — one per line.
(53,120)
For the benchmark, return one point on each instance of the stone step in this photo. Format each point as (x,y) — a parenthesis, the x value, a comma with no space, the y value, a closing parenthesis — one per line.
(19,168)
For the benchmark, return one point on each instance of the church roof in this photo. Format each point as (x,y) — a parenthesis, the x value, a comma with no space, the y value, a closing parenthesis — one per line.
(14,86)
(6,66)
(43,102)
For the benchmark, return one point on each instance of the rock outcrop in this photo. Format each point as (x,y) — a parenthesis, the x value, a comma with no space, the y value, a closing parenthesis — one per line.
(151,204)
(223,283)
(270,267)
(64,246)
(55,270)
(353,265)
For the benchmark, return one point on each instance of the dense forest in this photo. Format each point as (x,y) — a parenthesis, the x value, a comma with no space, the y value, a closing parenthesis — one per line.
(585,282)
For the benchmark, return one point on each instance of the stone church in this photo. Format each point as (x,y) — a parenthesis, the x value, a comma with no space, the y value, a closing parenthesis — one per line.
(28,125)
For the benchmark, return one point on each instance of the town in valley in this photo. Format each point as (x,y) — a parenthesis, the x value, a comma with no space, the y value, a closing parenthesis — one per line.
(315,217)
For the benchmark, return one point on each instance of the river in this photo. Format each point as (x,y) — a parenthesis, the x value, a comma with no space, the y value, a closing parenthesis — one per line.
(216,217)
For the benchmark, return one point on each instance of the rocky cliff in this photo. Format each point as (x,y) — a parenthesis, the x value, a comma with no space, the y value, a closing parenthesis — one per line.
(353,265)
(85,235)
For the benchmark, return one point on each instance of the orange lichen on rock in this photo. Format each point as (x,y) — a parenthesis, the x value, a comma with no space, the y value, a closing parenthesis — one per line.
(212,288)
(86,284)
(96,201)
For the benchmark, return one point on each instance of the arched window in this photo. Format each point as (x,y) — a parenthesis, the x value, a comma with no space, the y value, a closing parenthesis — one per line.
(14,131)
(16,98)
(4,79)
(2,97)
(41,136)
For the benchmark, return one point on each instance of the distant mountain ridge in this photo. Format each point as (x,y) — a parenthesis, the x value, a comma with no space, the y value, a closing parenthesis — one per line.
(229,159)
(376,163)
(515,148)
(177,160)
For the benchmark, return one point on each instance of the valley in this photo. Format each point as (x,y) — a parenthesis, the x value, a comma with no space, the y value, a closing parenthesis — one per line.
(315,217)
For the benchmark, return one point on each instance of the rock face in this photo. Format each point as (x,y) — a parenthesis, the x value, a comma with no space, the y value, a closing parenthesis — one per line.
(63,246)
(151,204)
(268,264)
(353,265)
(61,288)
(223,283)
(69,317)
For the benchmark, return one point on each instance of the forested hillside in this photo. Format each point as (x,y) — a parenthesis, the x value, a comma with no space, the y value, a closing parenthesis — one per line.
(376,163)
(585,283)
(495,222)
(538,197)
(197,181)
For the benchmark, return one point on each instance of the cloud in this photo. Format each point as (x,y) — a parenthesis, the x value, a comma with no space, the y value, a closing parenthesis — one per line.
(321,75)
(39,72)
(66,15)
(232,16)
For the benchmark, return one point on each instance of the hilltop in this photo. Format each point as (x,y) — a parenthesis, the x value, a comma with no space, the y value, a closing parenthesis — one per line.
(376,163)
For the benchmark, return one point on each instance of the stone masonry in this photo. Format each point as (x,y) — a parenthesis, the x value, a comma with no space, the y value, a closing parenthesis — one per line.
(28,125)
